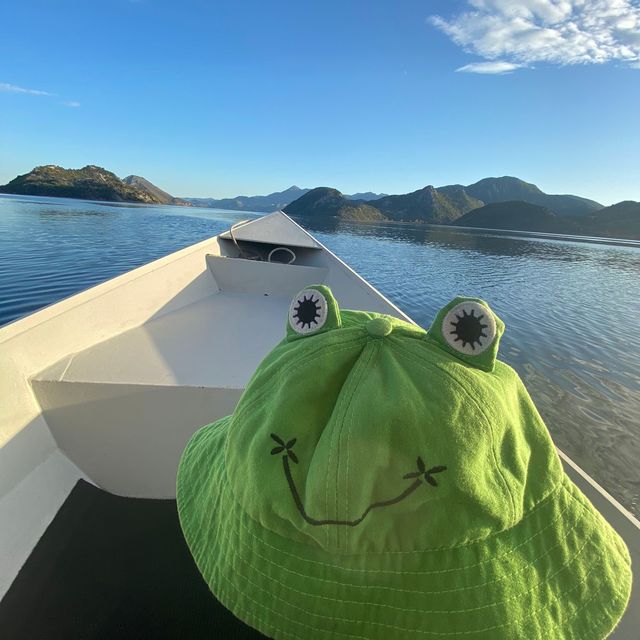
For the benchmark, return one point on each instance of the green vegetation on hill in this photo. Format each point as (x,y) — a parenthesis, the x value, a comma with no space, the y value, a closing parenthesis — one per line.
(425,205)
(508,189)
(324,202)
(460,198)
(620,220)
(89,183)
(161,196)
(515,215)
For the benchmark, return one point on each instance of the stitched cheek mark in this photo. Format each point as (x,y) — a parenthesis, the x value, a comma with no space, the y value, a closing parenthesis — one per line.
(286,447)
(421,476)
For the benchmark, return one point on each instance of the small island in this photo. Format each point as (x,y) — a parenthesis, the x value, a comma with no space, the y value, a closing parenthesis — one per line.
(89,183)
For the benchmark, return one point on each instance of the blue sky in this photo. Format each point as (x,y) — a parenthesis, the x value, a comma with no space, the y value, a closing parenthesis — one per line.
(227,98)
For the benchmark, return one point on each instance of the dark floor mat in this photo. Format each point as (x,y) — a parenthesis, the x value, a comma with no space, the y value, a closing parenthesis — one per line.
(113,567)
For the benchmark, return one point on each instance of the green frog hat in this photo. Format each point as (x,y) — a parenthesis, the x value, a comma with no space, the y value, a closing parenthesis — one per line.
(381,481)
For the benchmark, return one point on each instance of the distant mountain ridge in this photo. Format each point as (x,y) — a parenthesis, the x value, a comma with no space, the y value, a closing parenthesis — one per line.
(89,183)
(508,188)
(433,204)
(271,202)
(446,204)
(462,206)
(365,196)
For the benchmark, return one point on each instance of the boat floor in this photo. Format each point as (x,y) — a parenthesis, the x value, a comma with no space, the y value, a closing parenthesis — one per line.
(113,567)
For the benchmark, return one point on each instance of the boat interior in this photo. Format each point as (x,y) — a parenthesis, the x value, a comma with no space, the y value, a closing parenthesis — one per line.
(108,385)
(100,393)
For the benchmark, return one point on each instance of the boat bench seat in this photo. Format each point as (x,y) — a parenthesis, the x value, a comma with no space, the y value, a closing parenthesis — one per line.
(216,342)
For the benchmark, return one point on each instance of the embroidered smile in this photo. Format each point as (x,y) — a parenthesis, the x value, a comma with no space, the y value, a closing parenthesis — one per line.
(420,476)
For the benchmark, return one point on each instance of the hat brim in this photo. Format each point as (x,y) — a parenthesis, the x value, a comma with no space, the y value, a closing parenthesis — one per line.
(562,572)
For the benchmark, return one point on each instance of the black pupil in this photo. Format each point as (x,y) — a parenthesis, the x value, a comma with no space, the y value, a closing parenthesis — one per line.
(469,329)
(307,311)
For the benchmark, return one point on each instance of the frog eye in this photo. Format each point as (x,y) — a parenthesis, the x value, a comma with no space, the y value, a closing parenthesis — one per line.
(469,328)
(308,311)
(314,310)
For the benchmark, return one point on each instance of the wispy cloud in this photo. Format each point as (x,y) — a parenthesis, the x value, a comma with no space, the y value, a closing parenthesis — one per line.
(562,32)
(5,87)
(12,88)
(496,67)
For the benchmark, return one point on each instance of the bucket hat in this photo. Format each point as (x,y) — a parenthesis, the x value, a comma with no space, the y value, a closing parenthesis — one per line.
(377,480)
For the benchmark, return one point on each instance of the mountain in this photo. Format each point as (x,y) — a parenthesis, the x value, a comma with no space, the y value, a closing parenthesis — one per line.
(324,202)
(620,220)
(426,205)
(89,183)
(446,204)
(161,196)
(514,215)
(508,189)
(366,196)
(272,202)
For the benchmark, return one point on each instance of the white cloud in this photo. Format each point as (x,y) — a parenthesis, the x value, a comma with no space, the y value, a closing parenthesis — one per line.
(12,88)
(5,87)
(496,67)
(523,32)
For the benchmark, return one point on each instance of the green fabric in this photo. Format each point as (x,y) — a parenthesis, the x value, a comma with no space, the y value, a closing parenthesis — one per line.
(375,481)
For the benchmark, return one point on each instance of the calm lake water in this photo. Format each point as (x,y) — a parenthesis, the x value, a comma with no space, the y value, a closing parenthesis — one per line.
(571,307)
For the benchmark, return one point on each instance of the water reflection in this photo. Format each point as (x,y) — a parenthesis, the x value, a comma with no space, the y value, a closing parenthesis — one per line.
(607,253)
(63,215)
